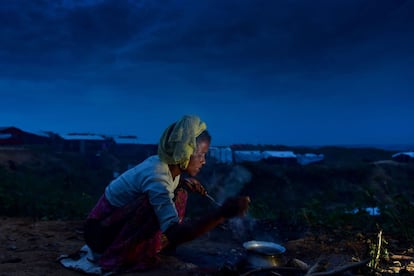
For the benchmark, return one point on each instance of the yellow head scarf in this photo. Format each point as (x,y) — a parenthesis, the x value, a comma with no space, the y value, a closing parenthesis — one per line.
(178,141)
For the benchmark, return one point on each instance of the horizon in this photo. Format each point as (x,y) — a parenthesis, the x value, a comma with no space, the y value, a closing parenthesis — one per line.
(389,146)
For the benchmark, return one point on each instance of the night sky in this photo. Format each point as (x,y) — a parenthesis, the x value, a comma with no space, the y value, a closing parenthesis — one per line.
(292,72)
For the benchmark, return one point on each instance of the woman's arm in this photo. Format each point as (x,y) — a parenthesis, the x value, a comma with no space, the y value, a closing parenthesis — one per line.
(187,231)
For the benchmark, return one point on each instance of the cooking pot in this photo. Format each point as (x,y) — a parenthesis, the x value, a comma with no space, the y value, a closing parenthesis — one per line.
(264,254)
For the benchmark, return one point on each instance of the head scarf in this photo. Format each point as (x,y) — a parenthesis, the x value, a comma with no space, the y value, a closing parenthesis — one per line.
(178,141)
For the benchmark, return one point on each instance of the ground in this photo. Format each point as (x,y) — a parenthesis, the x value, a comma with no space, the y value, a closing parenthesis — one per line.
(32,248)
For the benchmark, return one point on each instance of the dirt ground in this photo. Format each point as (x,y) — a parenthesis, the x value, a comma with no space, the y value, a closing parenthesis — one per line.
(32,247)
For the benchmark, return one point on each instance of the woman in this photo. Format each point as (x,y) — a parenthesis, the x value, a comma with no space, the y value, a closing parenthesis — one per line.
(141,212)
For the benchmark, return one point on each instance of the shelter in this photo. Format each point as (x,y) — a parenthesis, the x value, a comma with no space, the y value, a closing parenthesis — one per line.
(125,139)
(309,158)
(247,156)
(280,157)
(405,157)
(15,136)
(85,142)
(131,148)
(221,154)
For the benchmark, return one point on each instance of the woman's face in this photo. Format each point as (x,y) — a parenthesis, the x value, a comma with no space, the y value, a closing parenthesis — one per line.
(198,158)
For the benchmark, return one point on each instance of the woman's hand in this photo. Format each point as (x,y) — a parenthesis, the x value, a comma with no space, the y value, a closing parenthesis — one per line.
(194,185)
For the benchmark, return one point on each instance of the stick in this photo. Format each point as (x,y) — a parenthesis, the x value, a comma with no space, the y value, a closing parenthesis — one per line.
(340,269)
(378,248)
(401,258)
(274,269)
(320,265)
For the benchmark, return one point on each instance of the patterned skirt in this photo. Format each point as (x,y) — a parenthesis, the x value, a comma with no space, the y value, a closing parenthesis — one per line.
(128,238)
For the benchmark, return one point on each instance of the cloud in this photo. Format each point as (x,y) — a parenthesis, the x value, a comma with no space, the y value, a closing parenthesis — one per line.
(264,38)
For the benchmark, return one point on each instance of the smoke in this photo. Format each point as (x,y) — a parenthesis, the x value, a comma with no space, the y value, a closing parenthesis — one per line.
(242,228)
(223,181)
(232,183)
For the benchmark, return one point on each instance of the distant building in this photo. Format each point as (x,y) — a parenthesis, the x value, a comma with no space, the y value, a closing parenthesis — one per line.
(406,157)
(125,139)
(269,156)
(130,147)
(247,156)
(280,157)
(310,158)
(14,136)
(221,154)
(85,142)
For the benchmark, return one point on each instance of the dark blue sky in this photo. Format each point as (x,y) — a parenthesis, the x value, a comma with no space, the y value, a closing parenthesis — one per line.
(292,72)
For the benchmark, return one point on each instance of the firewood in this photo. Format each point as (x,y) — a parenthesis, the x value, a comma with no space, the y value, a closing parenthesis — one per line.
(401,258)
(340,270)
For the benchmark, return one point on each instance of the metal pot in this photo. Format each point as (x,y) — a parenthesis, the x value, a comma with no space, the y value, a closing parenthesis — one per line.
(264,254)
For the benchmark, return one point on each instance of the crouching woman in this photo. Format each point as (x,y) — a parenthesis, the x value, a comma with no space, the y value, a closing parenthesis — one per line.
(141,212)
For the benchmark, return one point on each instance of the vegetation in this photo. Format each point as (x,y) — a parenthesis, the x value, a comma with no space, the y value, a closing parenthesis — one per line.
(351,194)
(51,186)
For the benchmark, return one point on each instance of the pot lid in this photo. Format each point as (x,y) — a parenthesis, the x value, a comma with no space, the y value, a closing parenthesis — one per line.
(264,247)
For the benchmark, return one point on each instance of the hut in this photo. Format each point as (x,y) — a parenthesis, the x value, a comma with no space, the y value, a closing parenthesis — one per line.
(404,157)
(13,136)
